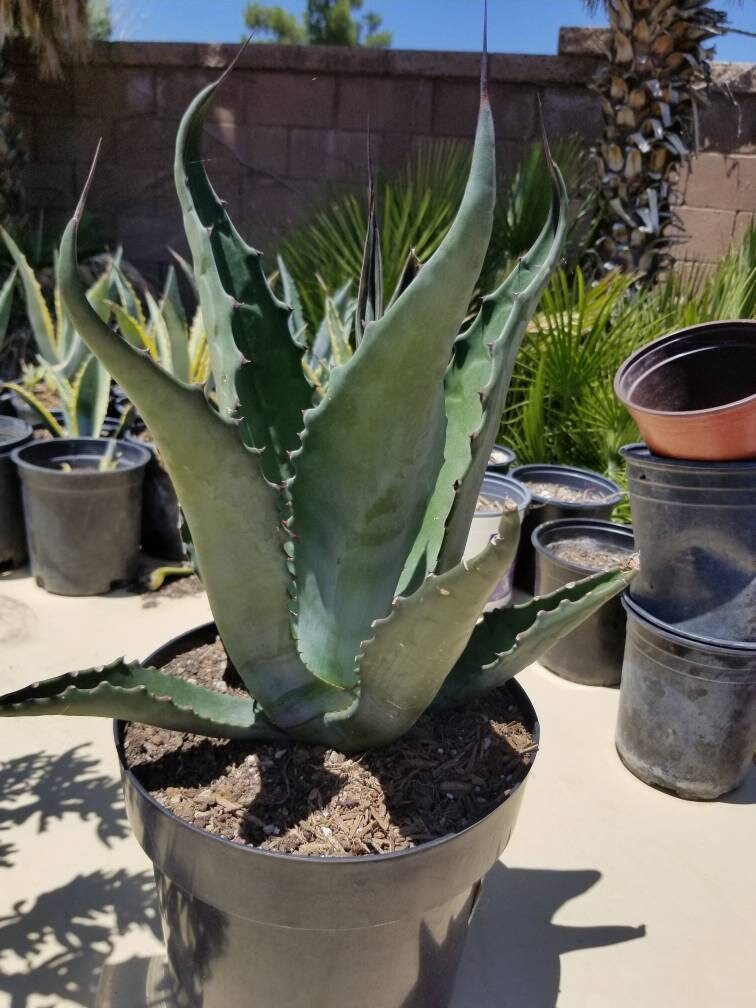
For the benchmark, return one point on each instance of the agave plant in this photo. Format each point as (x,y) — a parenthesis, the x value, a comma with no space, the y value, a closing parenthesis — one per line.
(177,344)
(65,364)
(330,536)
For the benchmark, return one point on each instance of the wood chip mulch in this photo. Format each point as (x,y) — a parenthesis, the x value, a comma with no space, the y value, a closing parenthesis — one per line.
(449,771)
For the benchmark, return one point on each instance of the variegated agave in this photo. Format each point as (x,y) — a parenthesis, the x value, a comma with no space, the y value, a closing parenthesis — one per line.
(330,536)
(651,89)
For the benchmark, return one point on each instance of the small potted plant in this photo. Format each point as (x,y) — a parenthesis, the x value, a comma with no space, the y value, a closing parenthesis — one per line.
(329,533)
(559,491)
(13,434)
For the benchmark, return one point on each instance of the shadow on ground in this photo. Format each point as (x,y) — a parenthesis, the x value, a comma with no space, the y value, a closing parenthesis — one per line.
(48,787)
(54,945)
(512,959)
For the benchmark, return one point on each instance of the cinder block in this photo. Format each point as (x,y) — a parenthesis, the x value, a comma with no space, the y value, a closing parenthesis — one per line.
(714,182)
(120,90)
(455,107)
(709,234)
(515,112)
(569,110)
(72,138)
(289,99)
(743,221)
(387,104)
(331,154)
(177,86)
(728,124)
(29,94)
(263,149)
(50,185)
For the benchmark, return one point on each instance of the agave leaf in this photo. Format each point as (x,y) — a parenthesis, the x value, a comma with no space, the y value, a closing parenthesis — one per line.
(297,321)
(172,294)
(230,508)
(36,307)
(42,412)
(361,483)
(130,692)
(6,302)
(129,297)
(253,357)
(91,392)
(409,656)
(370,288)
(508,640)
(133,330)
(412,267)
(344,309)
(476,388)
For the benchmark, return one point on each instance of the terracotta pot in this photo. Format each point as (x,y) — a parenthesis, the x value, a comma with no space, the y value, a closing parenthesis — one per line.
(693,392)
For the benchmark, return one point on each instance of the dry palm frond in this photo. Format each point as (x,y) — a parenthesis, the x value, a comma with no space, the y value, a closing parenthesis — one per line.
(50,26)
(650,90)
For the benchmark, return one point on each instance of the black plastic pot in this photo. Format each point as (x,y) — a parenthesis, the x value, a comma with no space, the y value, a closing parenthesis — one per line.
(82,524)
(252,927)
(161,514)
(13,434)
(687,709)
(592,654)
(545,509)
(695,528)
(501,460)
(6,404)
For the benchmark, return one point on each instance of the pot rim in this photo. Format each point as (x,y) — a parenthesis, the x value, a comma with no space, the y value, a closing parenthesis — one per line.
(505,480)
(670,632)
(142,459)
(613,498)
(509,452)
(710,411)
(638,451)
(596,524)
(21,433)
(522,700)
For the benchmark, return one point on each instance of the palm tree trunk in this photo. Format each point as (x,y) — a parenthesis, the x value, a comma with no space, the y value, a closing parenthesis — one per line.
(651,87)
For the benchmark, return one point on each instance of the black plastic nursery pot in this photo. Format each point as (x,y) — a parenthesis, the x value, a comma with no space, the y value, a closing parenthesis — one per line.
(161,514)
(501,460)
(687,709)
(592,654)
(13,434)
(6,404)
(249,928)
(82,524)
(695,528)
(545,509)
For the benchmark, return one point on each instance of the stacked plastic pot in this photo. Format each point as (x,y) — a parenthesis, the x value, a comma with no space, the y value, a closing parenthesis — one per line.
(687,711)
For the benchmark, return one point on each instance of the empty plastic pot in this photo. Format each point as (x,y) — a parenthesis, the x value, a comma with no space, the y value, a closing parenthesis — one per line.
(82,523)
(13,434)
(695,528)
(687,709)
(592,654)
(693,392)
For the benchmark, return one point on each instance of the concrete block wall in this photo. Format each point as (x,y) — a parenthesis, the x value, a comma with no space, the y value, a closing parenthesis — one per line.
(290,126)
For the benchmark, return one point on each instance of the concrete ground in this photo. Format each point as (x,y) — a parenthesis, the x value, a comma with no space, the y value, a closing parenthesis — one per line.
(610,894)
